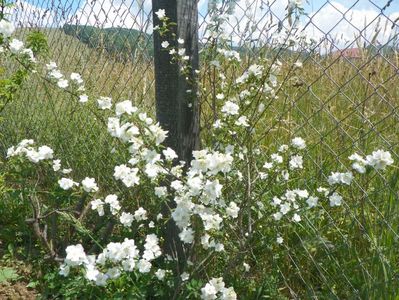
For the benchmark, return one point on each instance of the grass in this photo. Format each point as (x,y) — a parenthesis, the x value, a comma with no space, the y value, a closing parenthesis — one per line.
(338,106)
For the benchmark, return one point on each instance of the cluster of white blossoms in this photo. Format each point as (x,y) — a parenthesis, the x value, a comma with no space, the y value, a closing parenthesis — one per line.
(340,178)
(14,46)
(44,153)
(378,160)
(215,289)
(113,260)
(6,28)
(177,53)
(53,73)
(33,154)
(294,202)
(230,55)
(200,194)
(288,204)
(123,256)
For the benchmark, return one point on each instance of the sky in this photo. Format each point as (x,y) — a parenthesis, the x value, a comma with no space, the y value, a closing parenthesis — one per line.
(340,20)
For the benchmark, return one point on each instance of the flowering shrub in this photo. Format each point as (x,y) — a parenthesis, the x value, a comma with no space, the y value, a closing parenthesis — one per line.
(234,197)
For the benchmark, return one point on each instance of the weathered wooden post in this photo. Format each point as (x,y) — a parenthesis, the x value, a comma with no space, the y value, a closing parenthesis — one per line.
(177,106)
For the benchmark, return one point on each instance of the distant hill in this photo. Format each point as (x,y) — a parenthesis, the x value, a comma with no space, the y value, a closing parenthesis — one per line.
(122,43)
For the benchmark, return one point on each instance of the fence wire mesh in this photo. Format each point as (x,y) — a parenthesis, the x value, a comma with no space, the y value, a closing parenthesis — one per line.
(343,99)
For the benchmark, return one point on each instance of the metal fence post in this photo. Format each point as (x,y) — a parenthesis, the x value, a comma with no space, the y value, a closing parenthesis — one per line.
(177,108)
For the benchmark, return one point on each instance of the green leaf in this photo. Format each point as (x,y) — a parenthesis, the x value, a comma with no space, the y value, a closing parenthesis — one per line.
(7,274)
(32,284)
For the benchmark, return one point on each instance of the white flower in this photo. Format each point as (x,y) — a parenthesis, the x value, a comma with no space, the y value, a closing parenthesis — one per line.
(312,201)
(337,178)
(91,273)
(359,164)
(296,218)
(161,14)
(180,41)
(230,108)
(232,210)
(165,44)
(246,267)
(298,143)
(66,171)
(268,165)
(55,74)
(298,64)
(66,183)
(169,154)
(335,200)
(125,107)
(83,98)
(181,52)
(184,276)
(152,249)
(277,216)
(213,287)
(127,175)
(220,96)
(113,202)
(212,189)
(6,28)
(113,272)
(16,46)
(278,159)
(228,294)
(98,205)
(160,274)
(323,191)
(64,270)
(62,83)
(283,148)
(29,53)
(285,208)
(75,255)
(140,214)
(104,103)
(89,185)
(51,65)
(279,240)
(161,191)
(296,162)
(218,124)
(158,133)
(176,185)
(219,247)
(101,279)
(208,292)
(301,193)
(242,121)
(144,266)
(56,165)
(187,236)
(379,159)
(77,78)
(126,219)
(45,152)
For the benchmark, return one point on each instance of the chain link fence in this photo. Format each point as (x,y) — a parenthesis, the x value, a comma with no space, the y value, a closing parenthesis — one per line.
(344,99)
